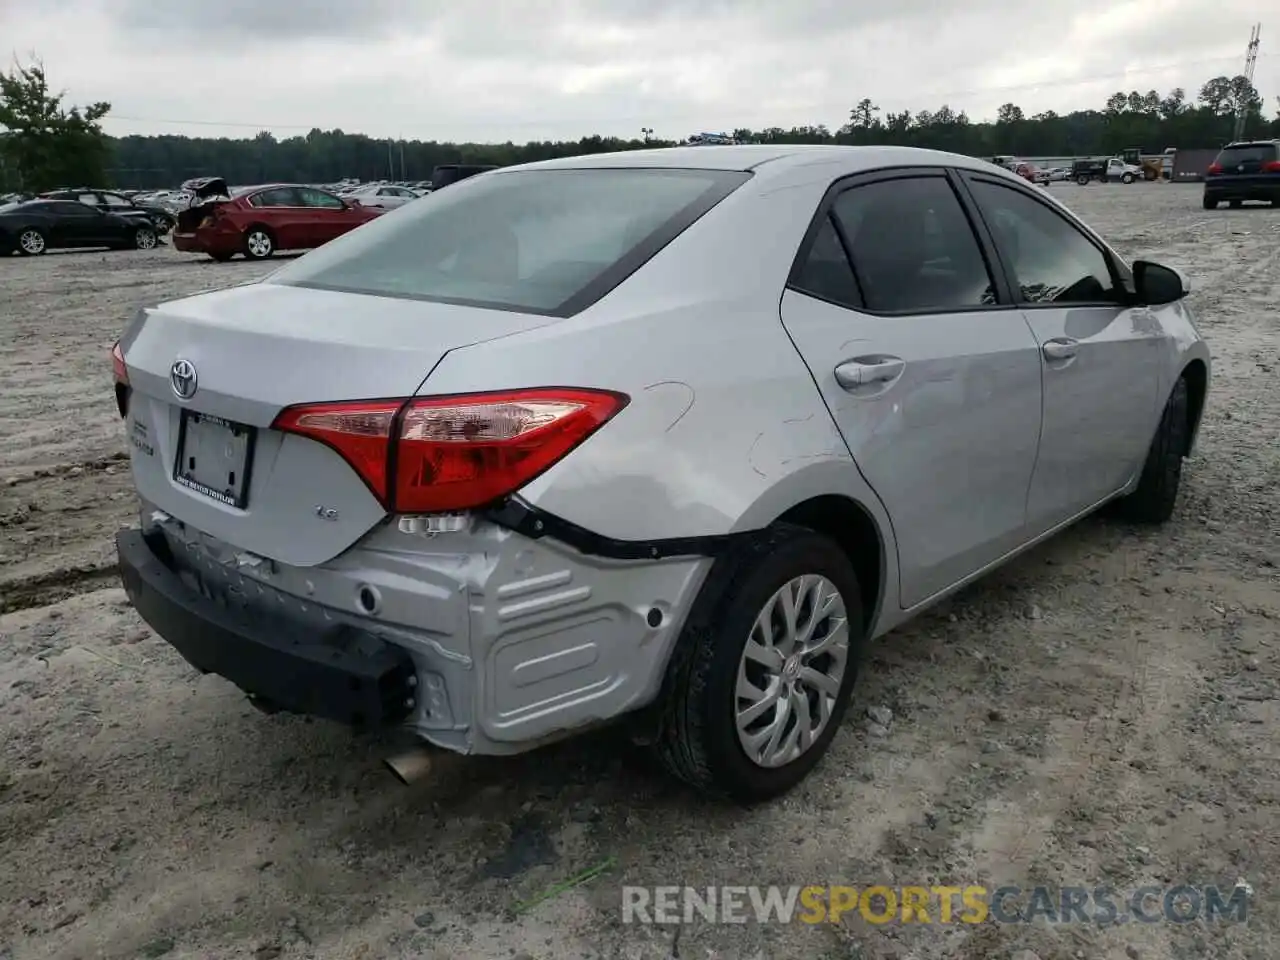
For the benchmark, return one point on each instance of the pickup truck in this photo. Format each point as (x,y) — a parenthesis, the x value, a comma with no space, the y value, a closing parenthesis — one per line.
(1113,168)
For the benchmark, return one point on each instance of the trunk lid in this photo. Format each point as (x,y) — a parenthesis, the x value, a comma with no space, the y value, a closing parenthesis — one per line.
(251,351)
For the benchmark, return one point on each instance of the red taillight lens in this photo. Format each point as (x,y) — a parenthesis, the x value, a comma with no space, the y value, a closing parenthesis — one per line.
(118,368)
(1215,168)
(360,431)
(1271,166)
(120,373)
(458,452)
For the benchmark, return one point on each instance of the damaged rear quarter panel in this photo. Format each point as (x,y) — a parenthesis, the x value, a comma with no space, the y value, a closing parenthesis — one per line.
(725,429)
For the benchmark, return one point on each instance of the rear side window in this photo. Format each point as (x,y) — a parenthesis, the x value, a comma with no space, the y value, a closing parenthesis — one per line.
(537,241)
(825,272)
(912,247)
(1248,154)
(278,197)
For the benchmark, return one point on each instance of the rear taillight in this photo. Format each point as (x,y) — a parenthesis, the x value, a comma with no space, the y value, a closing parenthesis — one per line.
(1215,168)
(1271,166)
(435,454)
(118,368)
(120,373)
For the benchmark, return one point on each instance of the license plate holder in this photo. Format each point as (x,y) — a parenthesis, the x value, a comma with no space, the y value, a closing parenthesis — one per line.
(214,457)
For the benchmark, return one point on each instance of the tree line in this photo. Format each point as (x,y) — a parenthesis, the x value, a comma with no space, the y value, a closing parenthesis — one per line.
(46,144)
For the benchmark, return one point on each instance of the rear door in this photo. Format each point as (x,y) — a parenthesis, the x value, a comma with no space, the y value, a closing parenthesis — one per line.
(283,212)
(931,373)
(1099,356)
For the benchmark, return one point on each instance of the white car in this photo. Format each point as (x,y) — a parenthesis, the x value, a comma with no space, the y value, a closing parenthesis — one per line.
(385,196)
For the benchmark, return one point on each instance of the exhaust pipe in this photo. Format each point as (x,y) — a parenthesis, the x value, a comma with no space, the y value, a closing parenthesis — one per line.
(411,765)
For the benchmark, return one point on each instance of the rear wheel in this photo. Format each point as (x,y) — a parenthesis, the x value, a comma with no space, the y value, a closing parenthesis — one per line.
(259,244)
(763,669)
(1083,180)
(1210,204)
(1157,492)
(144,238)
(31,242)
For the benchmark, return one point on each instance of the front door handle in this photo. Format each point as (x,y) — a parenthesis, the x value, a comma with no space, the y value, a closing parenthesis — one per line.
(1060,348)
(864,371)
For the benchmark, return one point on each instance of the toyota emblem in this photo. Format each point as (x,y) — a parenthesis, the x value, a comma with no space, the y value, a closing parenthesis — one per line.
(182,377)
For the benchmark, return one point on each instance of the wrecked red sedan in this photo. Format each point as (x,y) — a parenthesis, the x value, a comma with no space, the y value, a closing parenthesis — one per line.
(259,221)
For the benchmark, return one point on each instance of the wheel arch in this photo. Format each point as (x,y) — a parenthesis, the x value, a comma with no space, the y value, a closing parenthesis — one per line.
(1196,373)
(854,528)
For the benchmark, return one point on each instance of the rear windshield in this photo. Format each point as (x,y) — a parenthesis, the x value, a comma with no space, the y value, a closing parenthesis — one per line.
(536,241)
(1247,153)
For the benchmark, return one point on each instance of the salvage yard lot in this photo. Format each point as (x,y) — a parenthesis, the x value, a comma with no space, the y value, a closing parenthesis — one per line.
(1101,712)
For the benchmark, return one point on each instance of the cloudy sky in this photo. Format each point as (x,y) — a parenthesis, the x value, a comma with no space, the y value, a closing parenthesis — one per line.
(535,69)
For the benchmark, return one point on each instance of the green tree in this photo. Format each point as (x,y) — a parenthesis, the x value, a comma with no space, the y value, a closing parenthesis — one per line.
(47,144)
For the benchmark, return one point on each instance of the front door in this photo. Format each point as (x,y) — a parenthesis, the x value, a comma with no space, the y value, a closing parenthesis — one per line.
(932,377)
(329,216)
(1100,356)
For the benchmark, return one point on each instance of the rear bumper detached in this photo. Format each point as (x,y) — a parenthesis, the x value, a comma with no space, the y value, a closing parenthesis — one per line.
(483,642)
(343,674)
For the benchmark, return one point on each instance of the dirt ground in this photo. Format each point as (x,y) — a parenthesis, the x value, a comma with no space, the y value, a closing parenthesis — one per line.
(1102,711)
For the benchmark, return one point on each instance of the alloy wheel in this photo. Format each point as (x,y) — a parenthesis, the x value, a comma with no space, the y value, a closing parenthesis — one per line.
(791,671)
(32,242)
(258,244)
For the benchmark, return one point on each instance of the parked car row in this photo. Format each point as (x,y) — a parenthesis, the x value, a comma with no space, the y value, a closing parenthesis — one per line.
(209,216)
(32,227)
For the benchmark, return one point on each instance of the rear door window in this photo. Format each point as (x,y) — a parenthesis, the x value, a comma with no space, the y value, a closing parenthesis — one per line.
(542,241)
(276,197)
(913,249)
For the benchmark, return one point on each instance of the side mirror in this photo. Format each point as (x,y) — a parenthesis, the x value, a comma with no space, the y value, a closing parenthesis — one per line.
(1156,284)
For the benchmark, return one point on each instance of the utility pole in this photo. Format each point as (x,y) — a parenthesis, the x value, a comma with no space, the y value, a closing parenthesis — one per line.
(403,175)
(1250,61)
(391,161)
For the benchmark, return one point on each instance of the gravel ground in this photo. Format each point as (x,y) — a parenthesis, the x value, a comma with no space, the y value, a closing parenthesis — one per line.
(1102,711)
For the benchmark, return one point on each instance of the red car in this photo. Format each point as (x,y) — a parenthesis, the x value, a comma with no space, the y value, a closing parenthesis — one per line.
(258,221)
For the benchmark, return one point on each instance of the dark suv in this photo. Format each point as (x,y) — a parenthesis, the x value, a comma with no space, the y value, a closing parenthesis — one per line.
(110,202)
(1244,171)
(447,173)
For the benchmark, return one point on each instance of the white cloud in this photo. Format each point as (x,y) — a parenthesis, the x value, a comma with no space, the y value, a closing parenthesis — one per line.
(550,69)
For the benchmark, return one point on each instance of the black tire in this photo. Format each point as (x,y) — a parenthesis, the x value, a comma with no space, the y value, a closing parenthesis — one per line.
(27,239)
(1210,204)
(1157,492)
(697,737)
(1126,178)
(259,243)
(1083,180)
(145,238)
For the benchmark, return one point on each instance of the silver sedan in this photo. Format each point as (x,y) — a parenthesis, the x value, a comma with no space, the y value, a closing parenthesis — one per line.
(662,436)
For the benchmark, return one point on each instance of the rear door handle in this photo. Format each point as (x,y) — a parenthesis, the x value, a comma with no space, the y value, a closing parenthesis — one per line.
(864,371)
(1060,348)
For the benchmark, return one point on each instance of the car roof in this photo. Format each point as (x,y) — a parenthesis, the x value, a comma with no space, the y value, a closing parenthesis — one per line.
(767,159)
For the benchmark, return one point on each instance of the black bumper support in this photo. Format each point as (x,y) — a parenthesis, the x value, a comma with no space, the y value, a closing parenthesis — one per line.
(343,673)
